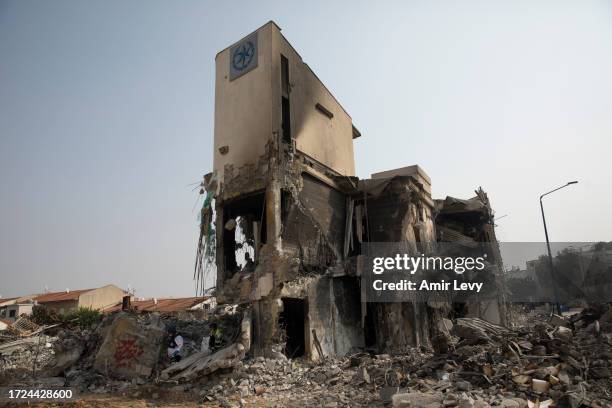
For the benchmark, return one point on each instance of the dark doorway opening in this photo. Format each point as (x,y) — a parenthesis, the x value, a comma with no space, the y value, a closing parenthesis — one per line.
(285,108)
(293,318)
(417,234)
(369,330)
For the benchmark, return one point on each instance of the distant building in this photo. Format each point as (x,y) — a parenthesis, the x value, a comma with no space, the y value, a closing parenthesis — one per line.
(580,273)
(169,305)
(62,302)
(99,299)
(518,273)
(12,308)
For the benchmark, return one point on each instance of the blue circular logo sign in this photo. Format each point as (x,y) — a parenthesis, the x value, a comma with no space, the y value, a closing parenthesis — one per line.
(243,55)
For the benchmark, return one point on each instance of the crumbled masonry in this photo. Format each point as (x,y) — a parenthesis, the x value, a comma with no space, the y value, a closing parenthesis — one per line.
(559,362)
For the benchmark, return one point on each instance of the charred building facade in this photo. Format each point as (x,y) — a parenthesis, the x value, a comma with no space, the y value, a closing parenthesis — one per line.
(290,217)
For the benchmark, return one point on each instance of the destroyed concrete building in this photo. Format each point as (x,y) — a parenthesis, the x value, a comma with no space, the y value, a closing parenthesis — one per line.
(285,193)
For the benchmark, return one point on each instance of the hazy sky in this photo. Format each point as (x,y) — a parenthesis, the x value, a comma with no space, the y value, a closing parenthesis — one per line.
(106,117)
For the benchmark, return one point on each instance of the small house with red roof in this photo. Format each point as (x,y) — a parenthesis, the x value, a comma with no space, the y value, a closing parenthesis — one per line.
(98,299)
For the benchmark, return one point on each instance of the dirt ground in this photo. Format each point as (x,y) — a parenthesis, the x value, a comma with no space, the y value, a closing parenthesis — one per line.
(166,400)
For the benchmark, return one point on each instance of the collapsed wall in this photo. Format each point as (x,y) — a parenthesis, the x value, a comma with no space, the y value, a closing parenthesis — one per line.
(304,284)
(470,224)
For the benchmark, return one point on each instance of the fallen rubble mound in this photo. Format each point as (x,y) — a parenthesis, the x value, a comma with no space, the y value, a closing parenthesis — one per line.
(544,364)
(548,362)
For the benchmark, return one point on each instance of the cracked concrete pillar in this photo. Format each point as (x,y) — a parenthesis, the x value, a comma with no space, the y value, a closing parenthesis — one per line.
(273,207)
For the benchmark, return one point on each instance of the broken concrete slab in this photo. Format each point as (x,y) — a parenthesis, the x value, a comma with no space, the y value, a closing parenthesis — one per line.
(64,360)
(478,330)
(201,363)
(417,400)
(130,348)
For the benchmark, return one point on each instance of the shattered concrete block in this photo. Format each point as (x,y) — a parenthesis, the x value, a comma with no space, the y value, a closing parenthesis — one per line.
(64,360)
(563,333)
(417,400)
(199,365)
(130,348)
(521,379)
(463,386)
(557,320)
(364,375)
(540,386)
(50,382)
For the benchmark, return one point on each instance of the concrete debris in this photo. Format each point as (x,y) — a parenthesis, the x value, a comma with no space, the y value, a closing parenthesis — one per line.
(478,330)
(485,366)
(200,363)
(26,355)
(65,358)
(130,349)
(563,333)
(417,400)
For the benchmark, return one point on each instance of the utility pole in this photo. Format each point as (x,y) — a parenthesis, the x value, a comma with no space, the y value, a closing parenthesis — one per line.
(550,258)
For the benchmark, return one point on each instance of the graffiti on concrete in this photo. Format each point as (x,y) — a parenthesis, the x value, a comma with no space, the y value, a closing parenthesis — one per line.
(126,352)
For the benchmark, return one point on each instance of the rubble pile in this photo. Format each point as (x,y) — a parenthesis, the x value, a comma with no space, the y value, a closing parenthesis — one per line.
(17,357)
(561,362)
(543,364)
(556,362)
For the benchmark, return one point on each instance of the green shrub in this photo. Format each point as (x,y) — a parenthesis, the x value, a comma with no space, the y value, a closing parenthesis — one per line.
(82,317)
(43,316)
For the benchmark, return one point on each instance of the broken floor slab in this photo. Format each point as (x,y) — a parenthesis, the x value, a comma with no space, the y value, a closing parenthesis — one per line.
(201,363)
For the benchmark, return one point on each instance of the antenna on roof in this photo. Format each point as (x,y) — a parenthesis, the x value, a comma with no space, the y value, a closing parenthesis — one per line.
(46,289)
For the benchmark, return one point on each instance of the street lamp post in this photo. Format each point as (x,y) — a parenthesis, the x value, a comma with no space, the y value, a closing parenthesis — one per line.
(550,259)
